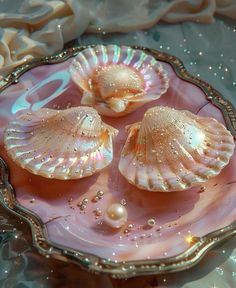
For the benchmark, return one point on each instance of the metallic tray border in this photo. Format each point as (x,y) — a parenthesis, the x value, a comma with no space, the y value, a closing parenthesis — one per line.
(93,263)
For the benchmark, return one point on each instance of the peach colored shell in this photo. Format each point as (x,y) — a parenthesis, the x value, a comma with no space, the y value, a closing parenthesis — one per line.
(171,150)
(62,144)
(118,80)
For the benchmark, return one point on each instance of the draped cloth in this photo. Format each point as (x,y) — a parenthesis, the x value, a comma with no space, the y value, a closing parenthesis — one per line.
(36,28)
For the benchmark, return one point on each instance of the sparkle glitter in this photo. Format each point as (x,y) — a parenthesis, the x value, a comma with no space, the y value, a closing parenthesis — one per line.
(95,199)
(100,193)
(130,226)
(97,212)
(123,202)
(98,196)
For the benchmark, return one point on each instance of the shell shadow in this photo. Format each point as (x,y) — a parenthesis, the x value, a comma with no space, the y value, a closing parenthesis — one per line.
(44,188)
(144,204)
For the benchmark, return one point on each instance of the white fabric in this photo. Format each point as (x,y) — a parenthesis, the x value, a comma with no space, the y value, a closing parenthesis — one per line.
(35,28)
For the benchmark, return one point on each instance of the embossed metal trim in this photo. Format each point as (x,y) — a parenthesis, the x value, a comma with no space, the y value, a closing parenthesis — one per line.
(93,263)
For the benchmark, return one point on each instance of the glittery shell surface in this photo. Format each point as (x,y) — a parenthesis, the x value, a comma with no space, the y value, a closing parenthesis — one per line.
(62,144)
(118,80)
(172,150)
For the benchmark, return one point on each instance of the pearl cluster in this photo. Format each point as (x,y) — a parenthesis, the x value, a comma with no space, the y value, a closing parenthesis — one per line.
(115,215)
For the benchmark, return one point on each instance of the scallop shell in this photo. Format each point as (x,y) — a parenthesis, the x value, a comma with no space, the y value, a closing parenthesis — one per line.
(171,150)
(62,144)
(118,80)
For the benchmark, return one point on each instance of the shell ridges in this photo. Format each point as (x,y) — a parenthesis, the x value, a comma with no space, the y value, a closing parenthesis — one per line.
(118,80)
(62,144)
(171,150)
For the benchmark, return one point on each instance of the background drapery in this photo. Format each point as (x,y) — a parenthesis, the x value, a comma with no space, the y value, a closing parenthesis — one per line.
(35,28)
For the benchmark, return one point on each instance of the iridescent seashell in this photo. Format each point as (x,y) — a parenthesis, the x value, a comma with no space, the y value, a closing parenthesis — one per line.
(117,80)
(171,150)
(61,144)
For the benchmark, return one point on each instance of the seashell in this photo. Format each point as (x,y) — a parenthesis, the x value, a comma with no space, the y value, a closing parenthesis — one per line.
(171,150)
(117,80)
(62,144)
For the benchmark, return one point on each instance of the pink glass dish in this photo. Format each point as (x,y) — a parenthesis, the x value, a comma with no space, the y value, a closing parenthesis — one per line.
(183,219)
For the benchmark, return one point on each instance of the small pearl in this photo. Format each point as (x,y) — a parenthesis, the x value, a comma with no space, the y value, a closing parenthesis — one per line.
(116,215)
(95,199)
(151,222)
(100,194)
(85,201)
(130,226)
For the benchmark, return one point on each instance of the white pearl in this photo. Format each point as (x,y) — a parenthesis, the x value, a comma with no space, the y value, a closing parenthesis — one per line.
(116,215)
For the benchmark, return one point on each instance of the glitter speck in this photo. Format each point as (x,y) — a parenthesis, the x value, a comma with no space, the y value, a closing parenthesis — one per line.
(200,53)
(97,212)
(95,199)
(189,239)
(123,202)
(100,193)
(130,226)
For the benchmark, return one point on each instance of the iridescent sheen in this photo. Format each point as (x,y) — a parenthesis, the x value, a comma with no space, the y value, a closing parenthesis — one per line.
(98,72)
(62,144)
(171,150)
